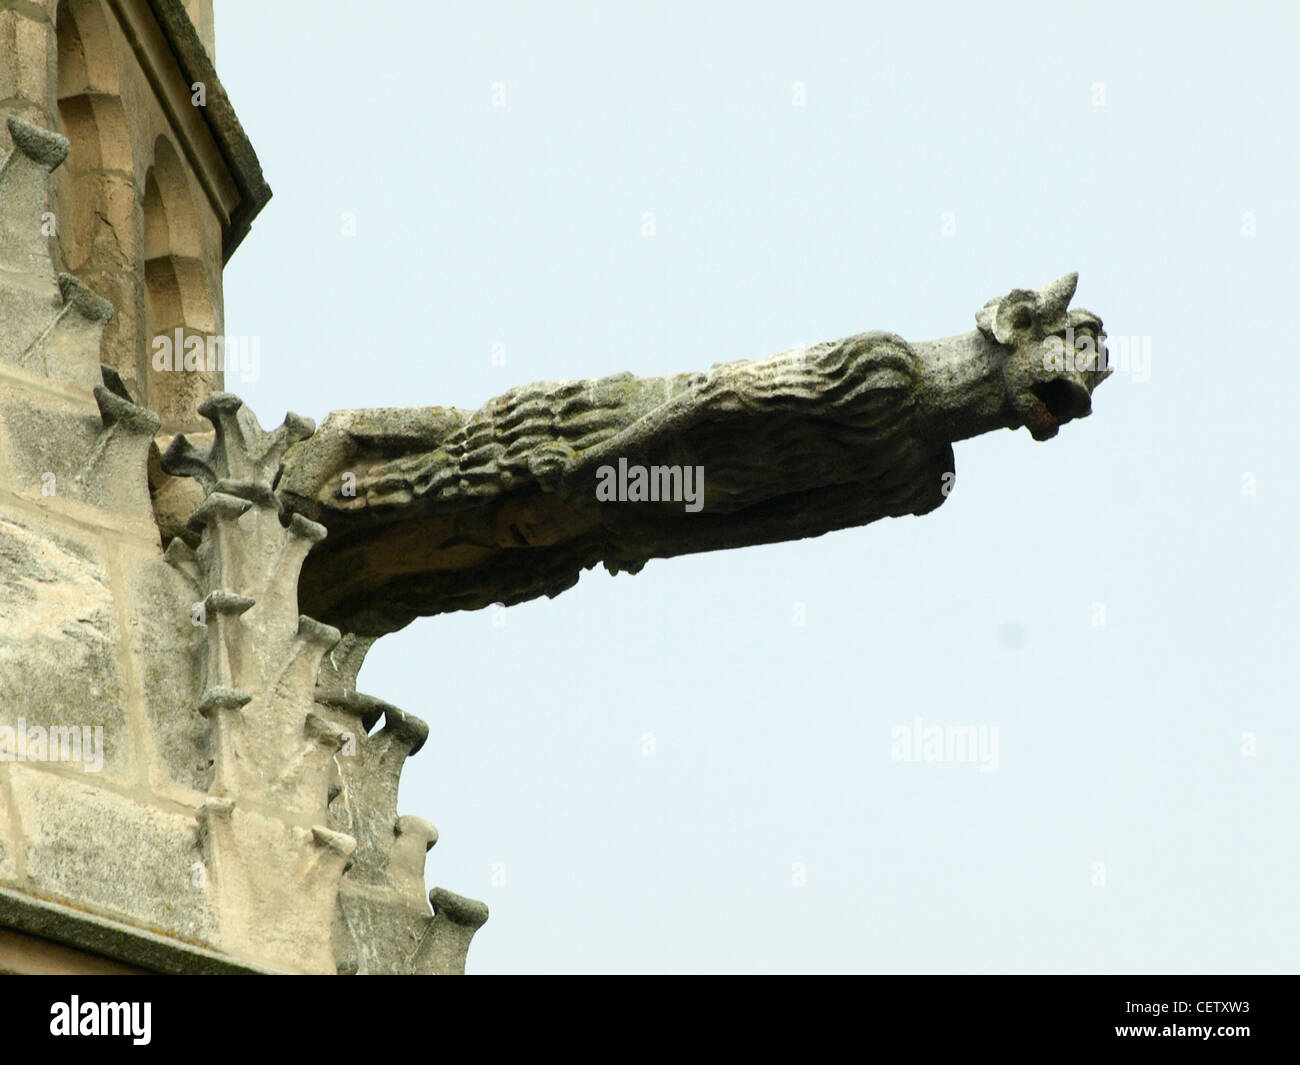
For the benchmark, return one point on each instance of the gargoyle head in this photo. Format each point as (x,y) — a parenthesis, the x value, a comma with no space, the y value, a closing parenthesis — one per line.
(1055,357)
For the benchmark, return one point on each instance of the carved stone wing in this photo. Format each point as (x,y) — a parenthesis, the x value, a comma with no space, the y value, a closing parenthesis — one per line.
(434,509)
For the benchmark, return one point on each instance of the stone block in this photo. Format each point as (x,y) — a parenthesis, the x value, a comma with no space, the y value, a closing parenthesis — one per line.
(107,852)
(59,663)
(166,647)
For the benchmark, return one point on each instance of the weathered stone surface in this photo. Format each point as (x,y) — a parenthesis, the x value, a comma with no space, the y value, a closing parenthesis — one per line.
(111,853)
(435,510)
(274,884)
(174,498)
(132,945)
(166,646)
(9,839)
(45,439)
(414,838)
(23,201)
(455,921)
(288,735)
(60,638)
(202,811)
(370,768)
(374,937)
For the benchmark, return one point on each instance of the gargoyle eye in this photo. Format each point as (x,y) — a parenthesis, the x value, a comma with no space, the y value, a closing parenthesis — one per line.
(1021,318)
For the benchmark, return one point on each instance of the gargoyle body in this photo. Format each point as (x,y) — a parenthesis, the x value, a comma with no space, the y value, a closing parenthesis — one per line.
(436,509)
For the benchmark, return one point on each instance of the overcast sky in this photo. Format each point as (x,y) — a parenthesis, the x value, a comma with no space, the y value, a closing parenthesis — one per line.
(696,768)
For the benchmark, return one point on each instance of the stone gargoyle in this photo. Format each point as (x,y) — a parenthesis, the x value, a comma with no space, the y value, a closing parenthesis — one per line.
(205,612)
(432,509)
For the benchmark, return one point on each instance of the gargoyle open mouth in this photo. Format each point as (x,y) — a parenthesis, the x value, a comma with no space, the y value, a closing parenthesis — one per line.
(1047,405)
(1064,399)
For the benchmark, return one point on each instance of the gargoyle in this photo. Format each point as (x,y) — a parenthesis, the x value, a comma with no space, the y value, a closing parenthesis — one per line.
(433,509)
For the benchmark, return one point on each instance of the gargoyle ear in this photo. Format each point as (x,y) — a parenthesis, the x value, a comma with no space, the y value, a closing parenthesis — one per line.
(1014,315)
(1021,312)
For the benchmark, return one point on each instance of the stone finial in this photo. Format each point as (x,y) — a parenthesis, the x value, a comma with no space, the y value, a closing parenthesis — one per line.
(455,920)
(243,459)
(23,199)
(286,733)
(366,805)
(414,837)
(53,326)
(43,147)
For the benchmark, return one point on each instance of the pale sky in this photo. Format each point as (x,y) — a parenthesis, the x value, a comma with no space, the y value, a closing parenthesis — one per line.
(668,772)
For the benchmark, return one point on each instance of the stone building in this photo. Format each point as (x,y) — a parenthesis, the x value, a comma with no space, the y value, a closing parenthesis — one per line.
(189,781)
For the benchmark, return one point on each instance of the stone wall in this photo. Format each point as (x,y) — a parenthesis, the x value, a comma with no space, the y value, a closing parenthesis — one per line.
(188,779)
